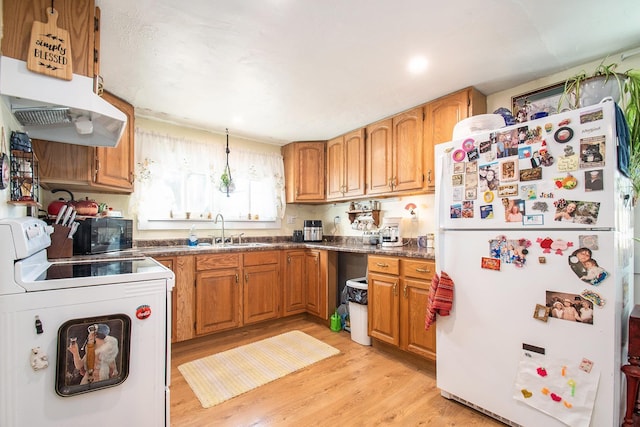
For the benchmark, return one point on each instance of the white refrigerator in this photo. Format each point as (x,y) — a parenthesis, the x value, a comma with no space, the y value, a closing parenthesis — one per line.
(535,227)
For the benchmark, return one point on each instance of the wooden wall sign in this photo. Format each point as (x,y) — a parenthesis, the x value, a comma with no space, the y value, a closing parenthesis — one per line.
(50,48)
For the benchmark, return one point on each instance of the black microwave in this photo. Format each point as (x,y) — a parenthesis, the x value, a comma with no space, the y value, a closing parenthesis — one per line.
(99,235)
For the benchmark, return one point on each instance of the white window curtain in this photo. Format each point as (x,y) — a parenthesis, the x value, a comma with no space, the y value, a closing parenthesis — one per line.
(177,178)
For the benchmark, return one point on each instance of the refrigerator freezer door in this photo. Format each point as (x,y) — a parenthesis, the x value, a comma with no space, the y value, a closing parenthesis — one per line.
(494,314)
(482,185)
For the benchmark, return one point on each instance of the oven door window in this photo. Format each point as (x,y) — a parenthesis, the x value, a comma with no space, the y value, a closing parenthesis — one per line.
(93,353)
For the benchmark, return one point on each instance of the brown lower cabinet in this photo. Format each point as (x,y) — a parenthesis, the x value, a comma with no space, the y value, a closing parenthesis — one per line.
(321,275)
(261,290)
(294,289)
(309,282)
(217,292)
(182,296)
(398,292)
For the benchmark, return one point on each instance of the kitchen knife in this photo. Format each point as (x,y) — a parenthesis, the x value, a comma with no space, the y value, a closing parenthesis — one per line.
(60,213)
(74,227)
(73,217)
(67,214)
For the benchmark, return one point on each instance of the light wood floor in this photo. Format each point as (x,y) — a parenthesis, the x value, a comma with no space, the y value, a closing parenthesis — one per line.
(362,386)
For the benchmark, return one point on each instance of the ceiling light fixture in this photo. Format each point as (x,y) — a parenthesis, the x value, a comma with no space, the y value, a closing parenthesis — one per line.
(417,64)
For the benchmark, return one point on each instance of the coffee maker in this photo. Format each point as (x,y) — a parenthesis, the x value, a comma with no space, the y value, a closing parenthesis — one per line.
(312,230)
(390,232)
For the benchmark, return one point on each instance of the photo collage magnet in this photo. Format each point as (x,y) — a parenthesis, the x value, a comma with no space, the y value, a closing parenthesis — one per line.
(546,170)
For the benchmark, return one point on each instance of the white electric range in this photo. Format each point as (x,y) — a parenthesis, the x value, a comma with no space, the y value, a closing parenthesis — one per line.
(84,342)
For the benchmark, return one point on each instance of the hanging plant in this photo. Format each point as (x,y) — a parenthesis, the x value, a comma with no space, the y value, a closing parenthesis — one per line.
(226,182)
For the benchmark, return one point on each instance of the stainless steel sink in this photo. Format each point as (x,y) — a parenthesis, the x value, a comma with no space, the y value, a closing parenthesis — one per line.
(230,245)
(245,245)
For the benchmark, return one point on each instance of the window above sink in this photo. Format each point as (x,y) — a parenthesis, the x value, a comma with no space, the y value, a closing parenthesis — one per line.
(178,185)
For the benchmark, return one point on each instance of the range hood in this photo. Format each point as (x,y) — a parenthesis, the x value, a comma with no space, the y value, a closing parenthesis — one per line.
(59,110)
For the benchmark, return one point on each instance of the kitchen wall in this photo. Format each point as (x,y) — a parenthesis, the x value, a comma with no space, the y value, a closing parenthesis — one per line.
(390,207)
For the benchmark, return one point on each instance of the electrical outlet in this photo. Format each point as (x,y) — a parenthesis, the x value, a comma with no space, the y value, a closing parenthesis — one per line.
(337,218)
(291,219)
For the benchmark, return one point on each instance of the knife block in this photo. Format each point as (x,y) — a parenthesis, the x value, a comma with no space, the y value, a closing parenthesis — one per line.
(61,246)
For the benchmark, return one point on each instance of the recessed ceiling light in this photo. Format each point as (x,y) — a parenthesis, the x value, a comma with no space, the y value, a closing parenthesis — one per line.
(417,64)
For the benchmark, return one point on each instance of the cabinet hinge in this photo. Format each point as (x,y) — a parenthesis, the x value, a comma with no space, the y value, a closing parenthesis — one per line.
(96,24)
(95,174)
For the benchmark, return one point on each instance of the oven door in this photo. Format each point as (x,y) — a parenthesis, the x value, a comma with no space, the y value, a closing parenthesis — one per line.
(41,385)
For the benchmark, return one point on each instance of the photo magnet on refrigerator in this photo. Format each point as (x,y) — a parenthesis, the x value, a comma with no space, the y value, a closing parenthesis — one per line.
(587,268)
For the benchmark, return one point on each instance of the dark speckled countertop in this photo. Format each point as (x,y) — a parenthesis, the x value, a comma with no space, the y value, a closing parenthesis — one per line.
(339,244)
(157,248)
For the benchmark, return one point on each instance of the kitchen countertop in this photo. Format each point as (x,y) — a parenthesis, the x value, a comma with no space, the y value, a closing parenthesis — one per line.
(170,248)
(410,251)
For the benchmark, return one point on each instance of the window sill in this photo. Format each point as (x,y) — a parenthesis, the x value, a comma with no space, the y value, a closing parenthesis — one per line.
(207,224)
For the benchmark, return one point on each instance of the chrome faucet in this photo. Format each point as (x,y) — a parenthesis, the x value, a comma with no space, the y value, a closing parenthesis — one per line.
(236,236)
(215,221)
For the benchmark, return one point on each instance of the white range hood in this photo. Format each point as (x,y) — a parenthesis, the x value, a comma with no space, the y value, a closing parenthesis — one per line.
(59,110)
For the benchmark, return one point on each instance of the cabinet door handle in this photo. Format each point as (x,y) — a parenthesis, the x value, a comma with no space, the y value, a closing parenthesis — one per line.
(237,278)
(288,259)
(395,288)
(379,264)
(405,290)
(246,277)
(423,270)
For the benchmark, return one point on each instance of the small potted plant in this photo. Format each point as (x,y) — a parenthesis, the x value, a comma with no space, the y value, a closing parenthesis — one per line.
(226,183)
(579,91)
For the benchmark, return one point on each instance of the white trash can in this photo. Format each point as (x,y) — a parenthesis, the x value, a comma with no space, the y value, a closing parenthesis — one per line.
(357,290)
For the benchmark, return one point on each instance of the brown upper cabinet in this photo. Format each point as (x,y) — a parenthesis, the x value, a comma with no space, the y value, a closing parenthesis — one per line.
(79,17)
(440,117)
(395,154)
(93,169)
(346,166)
(304,171)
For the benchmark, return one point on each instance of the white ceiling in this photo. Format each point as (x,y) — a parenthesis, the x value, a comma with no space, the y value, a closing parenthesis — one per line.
(288,70)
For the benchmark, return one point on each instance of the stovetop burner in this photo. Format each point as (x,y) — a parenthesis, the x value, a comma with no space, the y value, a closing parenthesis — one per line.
(96,269)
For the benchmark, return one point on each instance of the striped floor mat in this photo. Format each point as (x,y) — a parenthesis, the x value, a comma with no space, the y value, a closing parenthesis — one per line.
(221,376)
